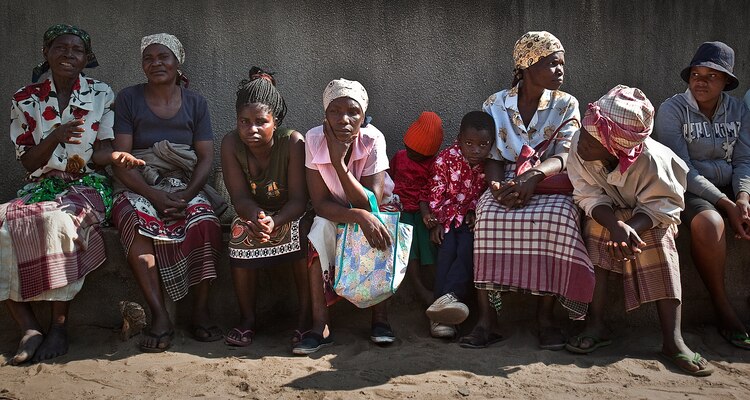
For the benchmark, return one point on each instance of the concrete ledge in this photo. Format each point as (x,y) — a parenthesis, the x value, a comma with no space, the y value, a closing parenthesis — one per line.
(113,282)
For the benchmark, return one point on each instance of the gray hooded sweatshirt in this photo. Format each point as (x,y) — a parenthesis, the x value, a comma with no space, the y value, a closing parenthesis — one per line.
(716,152)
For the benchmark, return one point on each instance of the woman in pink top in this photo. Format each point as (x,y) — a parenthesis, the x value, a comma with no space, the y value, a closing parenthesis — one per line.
(343,156)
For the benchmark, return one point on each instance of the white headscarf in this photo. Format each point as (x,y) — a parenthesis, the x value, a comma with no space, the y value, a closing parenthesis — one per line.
(345,88)
(170,41)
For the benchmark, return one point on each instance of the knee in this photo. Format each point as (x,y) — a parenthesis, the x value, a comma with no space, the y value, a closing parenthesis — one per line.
(707,226)
(143,261)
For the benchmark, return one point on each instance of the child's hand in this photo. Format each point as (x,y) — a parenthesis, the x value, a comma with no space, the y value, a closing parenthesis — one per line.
(437,234)
(471,220)
(429,220)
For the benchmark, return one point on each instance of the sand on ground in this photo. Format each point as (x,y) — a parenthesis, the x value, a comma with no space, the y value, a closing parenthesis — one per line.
(100,366)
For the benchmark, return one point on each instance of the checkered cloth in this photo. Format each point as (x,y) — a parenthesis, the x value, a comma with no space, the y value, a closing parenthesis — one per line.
(182,263)
(56,243)
(536,249)
(653,275)
(621,120)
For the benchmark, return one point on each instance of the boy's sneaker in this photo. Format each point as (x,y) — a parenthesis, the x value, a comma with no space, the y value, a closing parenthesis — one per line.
(447,310)
(442,331)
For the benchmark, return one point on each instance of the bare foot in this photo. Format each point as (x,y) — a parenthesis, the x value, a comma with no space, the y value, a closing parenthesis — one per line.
(27,347)
(54,345)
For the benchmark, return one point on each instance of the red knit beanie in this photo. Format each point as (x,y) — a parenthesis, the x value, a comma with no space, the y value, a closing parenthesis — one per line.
(425,135)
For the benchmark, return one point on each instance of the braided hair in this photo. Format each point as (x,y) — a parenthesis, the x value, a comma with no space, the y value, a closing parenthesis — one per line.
(261,88)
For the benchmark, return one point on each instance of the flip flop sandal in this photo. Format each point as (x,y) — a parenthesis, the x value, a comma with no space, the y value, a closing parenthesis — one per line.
(476,340)
(242,339)
(696,360)
(736,338)
(311,342)
(297,336)
(163,339)
(595,344)
(207,334)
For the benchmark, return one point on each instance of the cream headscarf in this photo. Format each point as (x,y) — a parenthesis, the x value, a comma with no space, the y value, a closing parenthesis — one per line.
(345,88)
(170,41)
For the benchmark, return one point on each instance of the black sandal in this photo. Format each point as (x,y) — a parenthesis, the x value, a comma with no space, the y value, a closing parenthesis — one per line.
(164,339)
(310,343)
(479,339)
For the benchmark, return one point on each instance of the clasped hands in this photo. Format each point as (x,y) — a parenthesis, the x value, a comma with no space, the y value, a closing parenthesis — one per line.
(625,244)
(170,205)
(261,226)
(517,192)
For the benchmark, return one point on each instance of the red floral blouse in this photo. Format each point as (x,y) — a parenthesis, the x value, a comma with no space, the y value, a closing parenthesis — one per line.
(456,187)
(35,113)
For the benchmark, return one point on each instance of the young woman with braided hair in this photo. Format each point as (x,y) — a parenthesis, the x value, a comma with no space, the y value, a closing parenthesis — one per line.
(264,170)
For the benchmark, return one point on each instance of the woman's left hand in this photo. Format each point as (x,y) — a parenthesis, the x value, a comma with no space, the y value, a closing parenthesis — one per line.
(517,192)
(513,194)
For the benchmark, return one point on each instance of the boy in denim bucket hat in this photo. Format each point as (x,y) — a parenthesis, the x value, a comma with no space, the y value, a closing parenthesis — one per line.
(710,131)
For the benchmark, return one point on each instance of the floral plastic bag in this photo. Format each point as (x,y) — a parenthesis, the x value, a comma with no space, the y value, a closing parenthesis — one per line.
(366,276)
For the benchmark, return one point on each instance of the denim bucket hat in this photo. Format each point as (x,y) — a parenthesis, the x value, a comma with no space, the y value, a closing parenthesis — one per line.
(714,55)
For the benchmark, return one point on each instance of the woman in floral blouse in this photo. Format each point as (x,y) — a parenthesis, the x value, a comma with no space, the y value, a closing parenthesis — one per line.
(50,236)
(527,242)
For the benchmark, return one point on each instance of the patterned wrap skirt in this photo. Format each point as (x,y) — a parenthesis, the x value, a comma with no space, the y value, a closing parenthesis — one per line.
(288,243)
(47,248)
(536,249)
(653,275)
(186,250)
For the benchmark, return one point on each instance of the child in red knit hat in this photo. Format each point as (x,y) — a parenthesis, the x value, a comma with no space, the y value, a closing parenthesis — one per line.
(410,171)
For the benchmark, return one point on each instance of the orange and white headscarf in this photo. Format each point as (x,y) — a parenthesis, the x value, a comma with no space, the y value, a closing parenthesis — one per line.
(621,120)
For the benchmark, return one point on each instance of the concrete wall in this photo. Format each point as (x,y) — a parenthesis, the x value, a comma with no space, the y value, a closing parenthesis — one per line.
(445,56)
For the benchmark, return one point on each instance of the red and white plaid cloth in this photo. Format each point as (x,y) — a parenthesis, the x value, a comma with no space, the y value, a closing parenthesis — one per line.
(57,242)
(653,275)
(182,263)
(537,249)
(621,120)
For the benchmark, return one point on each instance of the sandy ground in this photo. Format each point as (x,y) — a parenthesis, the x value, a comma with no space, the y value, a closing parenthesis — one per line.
(99,365)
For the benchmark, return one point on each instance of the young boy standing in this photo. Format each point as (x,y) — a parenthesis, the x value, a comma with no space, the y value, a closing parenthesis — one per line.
(457,183)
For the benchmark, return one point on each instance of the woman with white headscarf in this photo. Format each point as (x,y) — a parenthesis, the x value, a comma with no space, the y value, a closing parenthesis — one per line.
(164,210)
(344,156)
